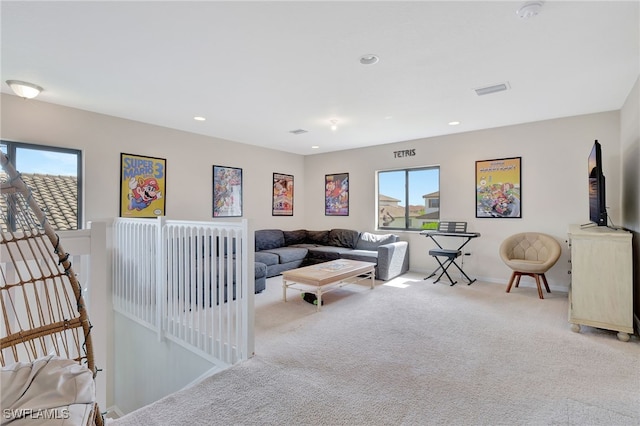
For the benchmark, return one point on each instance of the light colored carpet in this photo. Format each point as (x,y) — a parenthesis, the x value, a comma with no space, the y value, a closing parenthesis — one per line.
(412,352)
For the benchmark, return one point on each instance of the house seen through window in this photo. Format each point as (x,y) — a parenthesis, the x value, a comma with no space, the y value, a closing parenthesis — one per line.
(409,199)
(54,177)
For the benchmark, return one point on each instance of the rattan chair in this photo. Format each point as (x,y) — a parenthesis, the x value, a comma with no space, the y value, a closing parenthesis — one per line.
(43,310)
(531,254)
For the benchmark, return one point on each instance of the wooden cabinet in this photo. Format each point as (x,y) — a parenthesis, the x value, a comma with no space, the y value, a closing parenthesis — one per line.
(601,293)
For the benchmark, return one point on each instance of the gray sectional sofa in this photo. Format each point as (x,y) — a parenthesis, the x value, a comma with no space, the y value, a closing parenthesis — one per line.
(282,250)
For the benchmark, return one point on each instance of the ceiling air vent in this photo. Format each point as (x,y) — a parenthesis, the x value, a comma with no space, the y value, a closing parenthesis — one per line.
(298,131)
(480,91)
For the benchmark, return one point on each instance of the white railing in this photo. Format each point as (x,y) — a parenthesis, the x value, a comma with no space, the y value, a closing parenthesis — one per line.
(136,254)
(187,281)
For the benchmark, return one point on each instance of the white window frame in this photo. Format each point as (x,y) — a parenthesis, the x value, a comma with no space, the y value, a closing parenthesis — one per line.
(407,213)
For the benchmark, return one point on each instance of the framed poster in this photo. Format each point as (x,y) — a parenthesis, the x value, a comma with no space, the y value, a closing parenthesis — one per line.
(498,188)
(227,191)
(336,194)
(142,186)
(282,195)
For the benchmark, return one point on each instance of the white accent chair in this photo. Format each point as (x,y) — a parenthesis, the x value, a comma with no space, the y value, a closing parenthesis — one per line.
(532,254)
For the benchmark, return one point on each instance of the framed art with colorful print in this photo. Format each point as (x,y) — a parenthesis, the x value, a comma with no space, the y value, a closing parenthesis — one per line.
(227,191)
(142,186)
(336,194)
(282,195)
(499,188)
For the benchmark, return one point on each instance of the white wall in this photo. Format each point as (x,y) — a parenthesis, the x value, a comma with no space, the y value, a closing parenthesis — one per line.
(137,383)
(630,141)
(554,185)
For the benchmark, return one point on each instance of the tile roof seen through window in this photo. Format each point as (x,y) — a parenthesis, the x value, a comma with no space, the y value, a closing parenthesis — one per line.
(57,196)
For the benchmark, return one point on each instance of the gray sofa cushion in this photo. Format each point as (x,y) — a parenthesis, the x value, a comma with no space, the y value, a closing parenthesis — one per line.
(267,258)
(274,270)
(260,269)
(318,237)
(295,237)
(361,255)
(288,254)
(304,245)
(327,253)
(343,238)
(269,239)
(369,241)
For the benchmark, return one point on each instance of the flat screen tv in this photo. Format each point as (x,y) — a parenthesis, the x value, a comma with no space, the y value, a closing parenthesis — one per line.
(597,199)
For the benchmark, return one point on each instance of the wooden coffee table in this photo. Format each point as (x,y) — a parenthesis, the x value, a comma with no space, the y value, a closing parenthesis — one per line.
(327,276)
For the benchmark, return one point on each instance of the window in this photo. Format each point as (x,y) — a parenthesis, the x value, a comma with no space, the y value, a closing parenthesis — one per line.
(409,199)
(54,177)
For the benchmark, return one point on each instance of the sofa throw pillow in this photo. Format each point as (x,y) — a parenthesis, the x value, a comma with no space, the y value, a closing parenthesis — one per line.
(347,238)
(369,241)
(267,239)
(318,237)
(295,237)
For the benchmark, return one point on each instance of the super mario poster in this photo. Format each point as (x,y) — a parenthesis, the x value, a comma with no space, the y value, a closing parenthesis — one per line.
(142,186)
(336,194)
(498,188)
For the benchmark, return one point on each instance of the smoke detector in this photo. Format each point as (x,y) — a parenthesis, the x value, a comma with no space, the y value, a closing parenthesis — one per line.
(529,9)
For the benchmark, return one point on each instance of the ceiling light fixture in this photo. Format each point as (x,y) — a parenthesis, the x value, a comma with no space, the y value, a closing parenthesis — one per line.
(334,124)
(454,123)
(529,9)
(199,118)
(23,89)
(369,59)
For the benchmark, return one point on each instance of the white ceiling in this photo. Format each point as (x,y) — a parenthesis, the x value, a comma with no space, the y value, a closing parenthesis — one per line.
(257,70)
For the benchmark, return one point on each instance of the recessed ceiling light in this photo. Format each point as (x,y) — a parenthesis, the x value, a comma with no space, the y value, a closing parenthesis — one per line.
(454,123)
(199,118)
(315,147)
(369,59)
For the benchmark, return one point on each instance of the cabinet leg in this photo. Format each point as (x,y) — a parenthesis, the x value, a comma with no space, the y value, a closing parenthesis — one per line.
(575,328)
(623,337)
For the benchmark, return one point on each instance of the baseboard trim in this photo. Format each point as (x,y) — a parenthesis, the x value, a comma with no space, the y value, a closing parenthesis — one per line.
(493,280)
(113,412)
(213,370)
